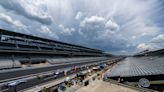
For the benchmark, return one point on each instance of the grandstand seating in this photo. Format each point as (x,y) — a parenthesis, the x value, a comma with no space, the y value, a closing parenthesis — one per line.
(18,62)
(6,64)
(73,60)
(17,49)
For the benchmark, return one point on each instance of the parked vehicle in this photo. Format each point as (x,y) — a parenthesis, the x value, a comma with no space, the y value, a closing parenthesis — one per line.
(15,83)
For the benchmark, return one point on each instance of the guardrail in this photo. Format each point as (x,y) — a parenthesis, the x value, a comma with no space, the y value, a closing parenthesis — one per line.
(47,84)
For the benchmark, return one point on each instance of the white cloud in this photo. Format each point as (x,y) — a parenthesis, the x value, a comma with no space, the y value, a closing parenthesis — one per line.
(112,25)
(136,21)
(46,31)
(33,10)
(62,11)
(79,16)
(143,46)
(66,31)
(92,21)
(9,20)
(158,39)
(134,37)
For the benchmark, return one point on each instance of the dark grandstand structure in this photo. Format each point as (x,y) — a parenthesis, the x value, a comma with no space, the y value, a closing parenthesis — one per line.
(18,42)
(18,48)
(150,53)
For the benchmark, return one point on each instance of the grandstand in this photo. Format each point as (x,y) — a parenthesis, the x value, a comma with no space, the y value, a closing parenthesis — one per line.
(19,49)
(144,66)
(21,42)
(148,66)
(151,53)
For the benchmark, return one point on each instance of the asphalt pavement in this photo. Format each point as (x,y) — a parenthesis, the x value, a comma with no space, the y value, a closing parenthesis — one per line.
(14,74)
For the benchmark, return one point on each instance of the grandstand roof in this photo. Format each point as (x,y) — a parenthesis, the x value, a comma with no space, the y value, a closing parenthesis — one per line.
(138,66)
(12,33)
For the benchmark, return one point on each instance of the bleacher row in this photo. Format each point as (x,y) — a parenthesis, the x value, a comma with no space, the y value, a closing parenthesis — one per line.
(8,63)
(16,63)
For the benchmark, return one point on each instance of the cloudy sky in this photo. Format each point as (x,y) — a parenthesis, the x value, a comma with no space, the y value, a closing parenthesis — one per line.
(115,26)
